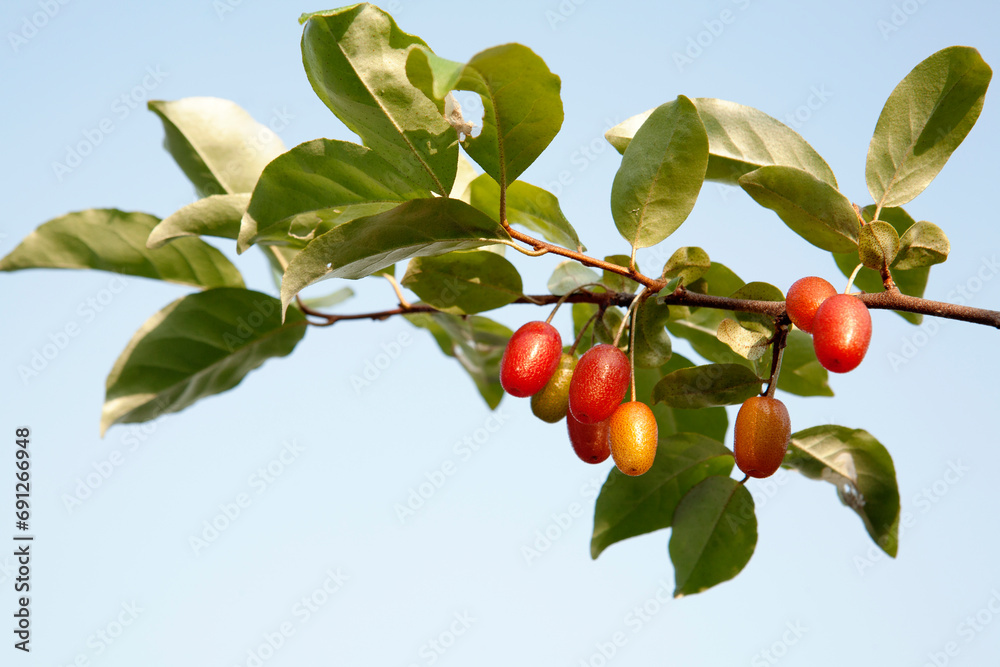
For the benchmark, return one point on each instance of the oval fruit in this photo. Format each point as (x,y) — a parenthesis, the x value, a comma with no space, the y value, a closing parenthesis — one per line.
(551,403)
(761,436)
(599,382)
(633,437)
(591,442)
(804,298)
(530,359)
(842,331)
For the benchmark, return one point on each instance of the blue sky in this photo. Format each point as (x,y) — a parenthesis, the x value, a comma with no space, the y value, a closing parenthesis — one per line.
(314,565)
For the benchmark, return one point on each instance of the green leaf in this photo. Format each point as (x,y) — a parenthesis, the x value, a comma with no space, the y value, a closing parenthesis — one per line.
(661,174)
(922,245)
(740,140)
(331,299)
(714,534)
(527,205)
(630,506)
(478,344)
(199,345)
(710,422)
(522,107)
(700,328)
(924,120)
(721,280)
(296,189)
(216,143)
(878,243)
(652,344)
(813,209)
(707,386)
(570,275)
(216,215)
(801,373)
(749,344)
(464,282)
(688,263)
(616,282)
(757,291)
(355,59)
(418,228)
(107,239)
(861,469)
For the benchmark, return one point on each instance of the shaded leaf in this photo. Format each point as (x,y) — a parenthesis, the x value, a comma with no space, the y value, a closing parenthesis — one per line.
(689,264)
(628,506)
(861,469)
(757,291)
(740,140)
(355,58)
(316,182)
(924,120)
(652,344)
(476,342)
(216,143)
(661,174)
(418,228)
(616,282)
(801,373)
(707,386)
(199,345)
(813,209)
(570,275)
(922,245)
(111,240)
(464,282)
(216,215)
(528,206)
(710,422)
(714,534)
(878,243)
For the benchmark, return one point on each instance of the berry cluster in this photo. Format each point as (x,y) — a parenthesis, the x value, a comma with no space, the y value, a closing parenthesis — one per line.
(588,392)
(841,329)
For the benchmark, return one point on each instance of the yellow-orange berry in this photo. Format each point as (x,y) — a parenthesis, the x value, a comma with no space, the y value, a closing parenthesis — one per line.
(633,437)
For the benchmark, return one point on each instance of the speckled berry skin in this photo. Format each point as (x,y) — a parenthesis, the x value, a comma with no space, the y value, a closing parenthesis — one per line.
(530,358)
(761,436)
(842,332)
(804,298)
(591,442)
(599,382)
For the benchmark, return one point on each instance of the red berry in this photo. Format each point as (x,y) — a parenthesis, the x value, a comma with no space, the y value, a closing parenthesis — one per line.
(804,299)
(599,382)
(530,359)
(841,333)
(591,442)
(761,436)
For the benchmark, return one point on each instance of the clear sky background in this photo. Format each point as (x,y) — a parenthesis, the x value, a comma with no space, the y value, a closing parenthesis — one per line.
(453,576)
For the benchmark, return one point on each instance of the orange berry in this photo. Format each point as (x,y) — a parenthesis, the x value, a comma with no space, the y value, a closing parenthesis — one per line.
(804,298)
(761,436)
(633,437)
